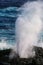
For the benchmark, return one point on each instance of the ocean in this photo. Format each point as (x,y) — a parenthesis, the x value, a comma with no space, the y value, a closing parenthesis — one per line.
(8,17)
(23,28)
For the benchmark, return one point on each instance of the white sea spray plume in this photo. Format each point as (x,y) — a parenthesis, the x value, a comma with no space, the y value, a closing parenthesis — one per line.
(27,29)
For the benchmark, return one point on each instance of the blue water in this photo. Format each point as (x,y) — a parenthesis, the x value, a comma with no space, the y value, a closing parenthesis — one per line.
(8,17)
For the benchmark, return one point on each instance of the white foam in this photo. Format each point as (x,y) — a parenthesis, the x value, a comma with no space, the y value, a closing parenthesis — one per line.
(27,28)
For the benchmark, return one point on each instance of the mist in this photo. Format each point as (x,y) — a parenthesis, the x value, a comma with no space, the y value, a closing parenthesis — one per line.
(28,29)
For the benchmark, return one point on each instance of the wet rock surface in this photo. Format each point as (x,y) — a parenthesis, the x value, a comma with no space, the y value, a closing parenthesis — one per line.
(37,60)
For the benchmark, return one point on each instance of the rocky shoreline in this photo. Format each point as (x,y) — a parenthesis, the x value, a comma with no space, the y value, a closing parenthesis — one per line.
(37,60)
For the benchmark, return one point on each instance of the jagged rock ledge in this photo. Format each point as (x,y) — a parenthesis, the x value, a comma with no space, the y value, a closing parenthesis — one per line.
(37,60)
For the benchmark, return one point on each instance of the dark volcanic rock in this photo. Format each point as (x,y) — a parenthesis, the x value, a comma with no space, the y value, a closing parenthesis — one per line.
(37,60)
